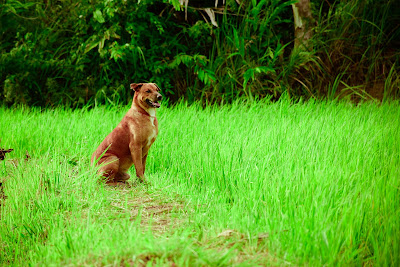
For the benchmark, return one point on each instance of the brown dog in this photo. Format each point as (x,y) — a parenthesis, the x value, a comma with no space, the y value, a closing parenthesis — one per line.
(130,141)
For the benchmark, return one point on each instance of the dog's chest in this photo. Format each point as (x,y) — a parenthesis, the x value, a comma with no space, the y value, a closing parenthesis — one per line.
(152,136)
(152,113)
(153,132)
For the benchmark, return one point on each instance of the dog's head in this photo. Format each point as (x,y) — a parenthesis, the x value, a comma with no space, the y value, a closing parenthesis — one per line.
(148,94)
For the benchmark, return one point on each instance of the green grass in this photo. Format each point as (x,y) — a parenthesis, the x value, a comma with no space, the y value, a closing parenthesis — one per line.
(244,184)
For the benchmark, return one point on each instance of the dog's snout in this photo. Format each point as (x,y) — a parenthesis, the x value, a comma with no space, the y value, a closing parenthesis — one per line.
(159,97)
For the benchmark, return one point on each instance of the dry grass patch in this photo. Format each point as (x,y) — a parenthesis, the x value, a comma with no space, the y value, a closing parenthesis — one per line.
(154,210)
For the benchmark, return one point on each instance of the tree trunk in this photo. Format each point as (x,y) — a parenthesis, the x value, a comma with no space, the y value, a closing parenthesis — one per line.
(303,24)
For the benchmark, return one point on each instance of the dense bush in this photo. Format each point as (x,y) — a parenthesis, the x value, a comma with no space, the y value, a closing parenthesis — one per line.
(68,51)
(80,52)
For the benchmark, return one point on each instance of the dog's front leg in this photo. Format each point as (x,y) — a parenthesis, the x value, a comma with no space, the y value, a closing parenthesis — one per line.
(144,163)
(136,152)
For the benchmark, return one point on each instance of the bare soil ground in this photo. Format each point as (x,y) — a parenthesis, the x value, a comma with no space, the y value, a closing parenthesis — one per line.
(154,210)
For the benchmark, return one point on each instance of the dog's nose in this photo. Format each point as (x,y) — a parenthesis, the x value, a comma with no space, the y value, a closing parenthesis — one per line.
(159,97)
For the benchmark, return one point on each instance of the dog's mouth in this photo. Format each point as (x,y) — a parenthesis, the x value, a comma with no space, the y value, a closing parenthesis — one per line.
(153,104)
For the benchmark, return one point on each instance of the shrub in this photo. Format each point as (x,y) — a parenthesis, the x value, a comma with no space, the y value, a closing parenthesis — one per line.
(88,52)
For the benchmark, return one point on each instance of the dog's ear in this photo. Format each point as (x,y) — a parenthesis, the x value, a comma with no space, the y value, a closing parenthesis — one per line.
(136,86)
(157,87)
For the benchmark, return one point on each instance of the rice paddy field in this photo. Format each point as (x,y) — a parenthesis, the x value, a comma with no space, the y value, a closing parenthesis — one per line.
(246,184)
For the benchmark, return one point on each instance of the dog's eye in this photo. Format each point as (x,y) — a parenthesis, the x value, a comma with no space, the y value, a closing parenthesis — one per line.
(148,91)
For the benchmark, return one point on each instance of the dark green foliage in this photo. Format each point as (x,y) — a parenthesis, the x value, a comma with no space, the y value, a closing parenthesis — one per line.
(84,52)
(357,44)
(68,52)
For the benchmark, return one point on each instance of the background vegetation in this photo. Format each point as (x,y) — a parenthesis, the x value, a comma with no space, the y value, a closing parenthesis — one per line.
(305,183)
(87,52)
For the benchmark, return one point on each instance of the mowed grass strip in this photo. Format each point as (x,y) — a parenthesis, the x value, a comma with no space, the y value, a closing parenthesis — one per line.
(306,183)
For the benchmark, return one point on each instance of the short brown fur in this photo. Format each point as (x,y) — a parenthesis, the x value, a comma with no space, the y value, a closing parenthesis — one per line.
(129,143)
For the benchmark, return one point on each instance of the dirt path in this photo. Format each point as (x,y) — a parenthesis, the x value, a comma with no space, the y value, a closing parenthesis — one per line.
(152,208)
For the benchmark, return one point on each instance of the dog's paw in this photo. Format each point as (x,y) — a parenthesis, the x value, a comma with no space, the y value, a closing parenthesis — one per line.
(143,181)
(119,184)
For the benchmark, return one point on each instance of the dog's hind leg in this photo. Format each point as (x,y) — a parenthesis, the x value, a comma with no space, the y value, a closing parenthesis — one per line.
(109,168)
(121,177)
